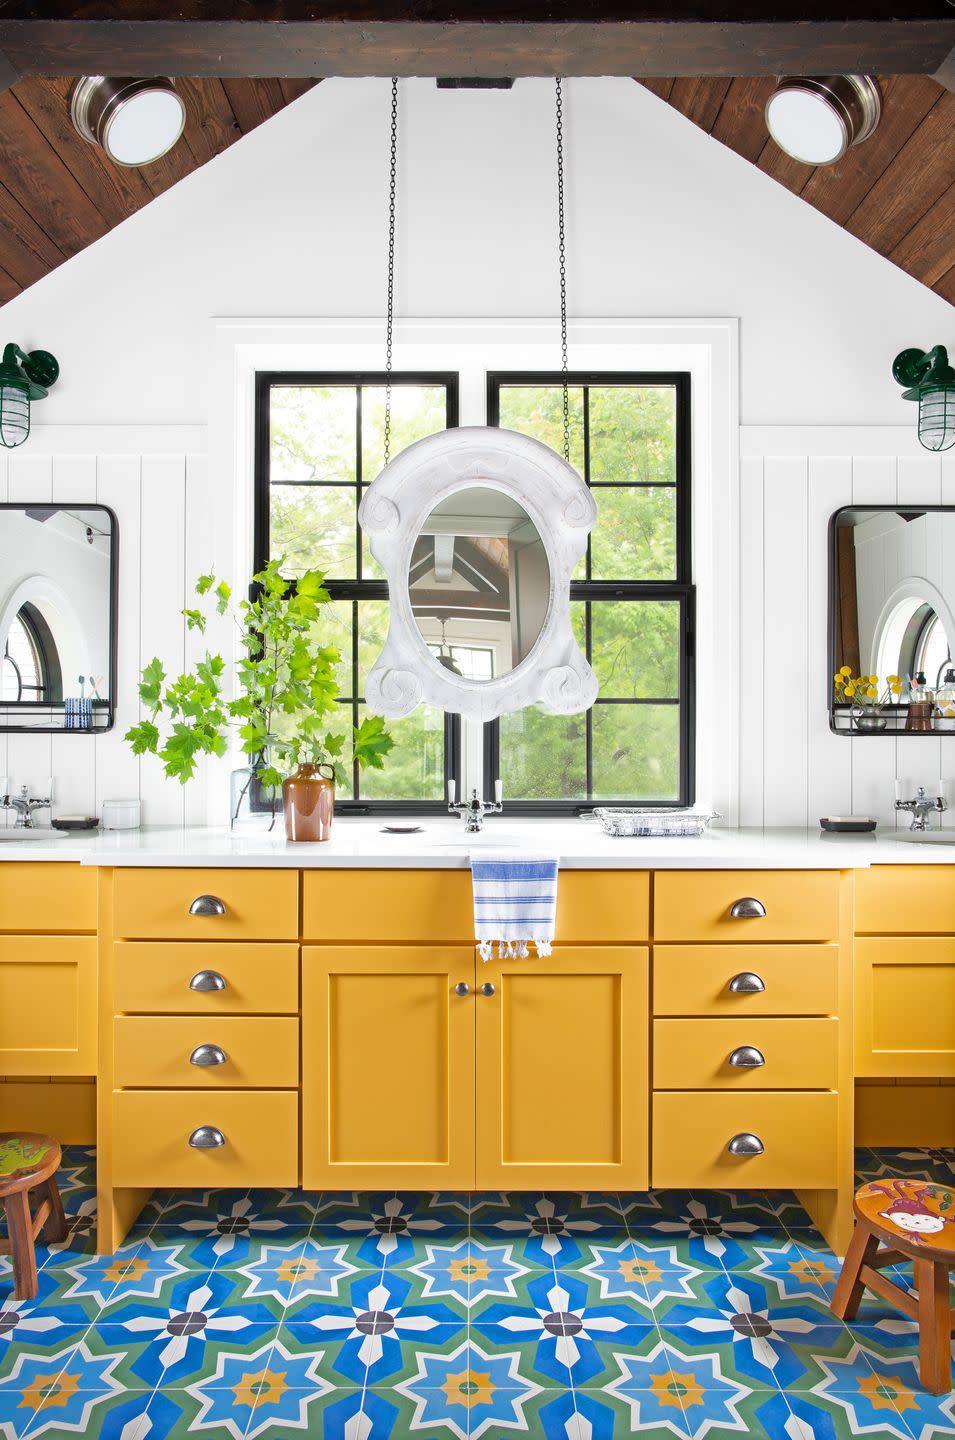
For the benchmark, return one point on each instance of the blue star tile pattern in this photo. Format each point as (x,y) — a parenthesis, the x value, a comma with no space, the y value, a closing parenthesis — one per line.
(276,1314)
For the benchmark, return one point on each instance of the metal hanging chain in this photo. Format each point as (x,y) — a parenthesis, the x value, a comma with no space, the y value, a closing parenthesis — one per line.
(562,257)
(393,172)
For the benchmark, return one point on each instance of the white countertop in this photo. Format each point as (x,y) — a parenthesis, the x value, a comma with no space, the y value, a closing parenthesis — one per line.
(441,844)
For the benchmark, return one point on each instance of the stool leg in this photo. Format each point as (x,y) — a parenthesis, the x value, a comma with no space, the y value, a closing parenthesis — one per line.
(56,1229)
(20,1231)
(849,1289)
(935,1327)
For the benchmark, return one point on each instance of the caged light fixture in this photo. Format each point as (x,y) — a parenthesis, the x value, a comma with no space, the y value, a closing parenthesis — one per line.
(23,378)
(931,381)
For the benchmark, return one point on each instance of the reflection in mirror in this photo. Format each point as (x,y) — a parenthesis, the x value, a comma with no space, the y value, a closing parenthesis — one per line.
(479,583)
(893,593)
(57,601)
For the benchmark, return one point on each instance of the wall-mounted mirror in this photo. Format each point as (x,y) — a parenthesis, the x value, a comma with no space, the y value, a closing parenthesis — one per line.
(58,569)
(478,532)
(891,614)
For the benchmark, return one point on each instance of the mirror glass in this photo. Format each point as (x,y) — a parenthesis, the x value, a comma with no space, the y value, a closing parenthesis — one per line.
(479,583)
(893,594)
(57,617)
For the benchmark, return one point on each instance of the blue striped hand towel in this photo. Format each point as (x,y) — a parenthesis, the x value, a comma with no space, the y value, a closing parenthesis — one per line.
(515,901)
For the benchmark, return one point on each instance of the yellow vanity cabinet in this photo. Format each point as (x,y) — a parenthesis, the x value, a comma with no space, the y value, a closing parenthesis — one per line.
(387,1067)
(48,998)
(745,905)
(561,1063)
(195,904)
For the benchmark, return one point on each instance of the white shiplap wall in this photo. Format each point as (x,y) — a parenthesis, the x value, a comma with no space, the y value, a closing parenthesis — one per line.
(792,768)
(154,480)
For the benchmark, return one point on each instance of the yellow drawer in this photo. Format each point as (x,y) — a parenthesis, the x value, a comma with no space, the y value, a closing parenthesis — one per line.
(699,904)
(39,896)
(154,904)
(798,1133)
(905,1006)
(151,1130)
(594,907)
(695,1054)
(155,1050)
(157,978)
(696,979)
(906,900)
(387,906)
(47,1004)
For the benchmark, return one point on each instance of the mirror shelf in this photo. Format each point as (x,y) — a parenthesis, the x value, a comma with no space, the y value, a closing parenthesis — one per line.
(478,531)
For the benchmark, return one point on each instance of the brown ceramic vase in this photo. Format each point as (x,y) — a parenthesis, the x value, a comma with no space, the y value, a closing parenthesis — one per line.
(308,798)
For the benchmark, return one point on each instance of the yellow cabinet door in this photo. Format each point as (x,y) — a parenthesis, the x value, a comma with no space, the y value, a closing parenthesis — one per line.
(388,1067)
(562,1083)
(47,1005)
(905,1006)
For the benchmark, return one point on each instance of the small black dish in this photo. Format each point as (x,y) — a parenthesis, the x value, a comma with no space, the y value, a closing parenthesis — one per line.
(75,822)
(849,824)
(401,829)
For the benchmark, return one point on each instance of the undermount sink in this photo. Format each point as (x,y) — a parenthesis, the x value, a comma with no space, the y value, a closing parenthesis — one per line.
(928,837)
(484,840)
(10,833)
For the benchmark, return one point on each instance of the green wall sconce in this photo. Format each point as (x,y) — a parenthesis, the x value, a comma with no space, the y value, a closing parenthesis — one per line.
(23,378)
(932,383)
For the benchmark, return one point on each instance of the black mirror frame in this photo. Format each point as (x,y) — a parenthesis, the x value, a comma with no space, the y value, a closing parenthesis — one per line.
(106,707)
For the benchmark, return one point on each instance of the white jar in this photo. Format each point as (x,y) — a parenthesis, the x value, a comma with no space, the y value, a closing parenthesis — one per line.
(121,815)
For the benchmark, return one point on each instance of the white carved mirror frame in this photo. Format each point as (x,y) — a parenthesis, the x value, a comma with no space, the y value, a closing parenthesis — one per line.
(555,674)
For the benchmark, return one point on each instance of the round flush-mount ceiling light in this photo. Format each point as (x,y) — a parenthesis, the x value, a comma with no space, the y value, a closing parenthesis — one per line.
(133,121)
(816,118)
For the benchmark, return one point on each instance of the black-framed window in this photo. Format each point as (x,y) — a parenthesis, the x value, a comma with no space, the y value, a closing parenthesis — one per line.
(632,598)
(319,443)
(30,665)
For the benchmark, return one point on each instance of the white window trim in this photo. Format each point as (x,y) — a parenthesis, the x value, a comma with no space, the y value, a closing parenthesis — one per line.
(707,349)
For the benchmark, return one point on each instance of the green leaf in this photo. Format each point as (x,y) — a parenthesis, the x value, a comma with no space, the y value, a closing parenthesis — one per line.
(372,742)
(223,595)
(204,584)
(150,685)
(142,738)
(195,620)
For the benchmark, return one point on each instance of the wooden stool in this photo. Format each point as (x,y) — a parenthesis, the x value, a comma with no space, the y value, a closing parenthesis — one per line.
(29,1163)
(914,1220)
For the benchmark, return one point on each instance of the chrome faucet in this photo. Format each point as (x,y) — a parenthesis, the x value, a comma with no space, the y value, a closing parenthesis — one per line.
(920,807)
(475,809)
(24,804)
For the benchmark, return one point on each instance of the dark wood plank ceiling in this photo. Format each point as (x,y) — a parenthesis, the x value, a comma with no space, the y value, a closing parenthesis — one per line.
(895,192)
(58,194)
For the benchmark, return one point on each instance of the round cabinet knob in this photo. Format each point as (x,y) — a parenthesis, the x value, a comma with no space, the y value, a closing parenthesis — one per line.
(747,1057)
(745,1144)
(487,989)
(207,1137)
(748,909)
(746,983)
(207,980)
(207,905)
(462,988)
(208,1055)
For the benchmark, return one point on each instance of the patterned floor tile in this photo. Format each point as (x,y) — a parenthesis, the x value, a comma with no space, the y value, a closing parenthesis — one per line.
(372,1332)
(548,1233)
(471,1391)
(384,1230)
(468,1271)
(705,1232)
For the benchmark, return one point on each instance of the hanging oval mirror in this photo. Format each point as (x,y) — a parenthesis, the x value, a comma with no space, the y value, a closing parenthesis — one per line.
(478,531)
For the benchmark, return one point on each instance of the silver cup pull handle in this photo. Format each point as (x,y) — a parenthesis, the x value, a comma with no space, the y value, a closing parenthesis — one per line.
(207,1137)
(208,980)
(745,1144)
(747,1057)
(208,1055)
(746,983)
(748,908)
(462,988)
(207,905)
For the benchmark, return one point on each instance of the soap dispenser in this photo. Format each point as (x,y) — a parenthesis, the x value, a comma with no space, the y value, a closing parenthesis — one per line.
(945,702)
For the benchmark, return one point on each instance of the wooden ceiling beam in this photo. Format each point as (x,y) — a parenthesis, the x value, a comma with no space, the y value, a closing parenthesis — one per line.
(497,38)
